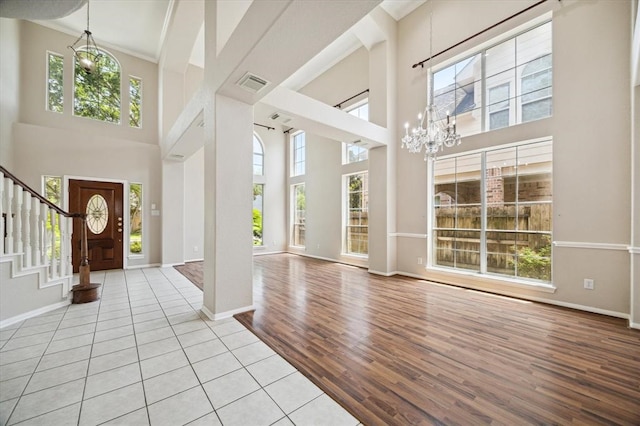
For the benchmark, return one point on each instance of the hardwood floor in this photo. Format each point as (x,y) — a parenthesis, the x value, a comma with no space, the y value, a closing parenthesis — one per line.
(404,351)
(193,271)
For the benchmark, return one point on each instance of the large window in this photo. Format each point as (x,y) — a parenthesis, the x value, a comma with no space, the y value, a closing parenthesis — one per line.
(506,84)
(135,218)
(97,95)
(492,211)
(55,82)
(357,214)
(298,154)
(353,152)
(299,210)
(52,192)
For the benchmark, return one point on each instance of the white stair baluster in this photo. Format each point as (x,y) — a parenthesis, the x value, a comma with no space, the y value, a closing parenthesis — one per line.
(36,255)
(44,240)
(9,209)
(64,242)
(53,266)
(2,212)
(17,219)
(26,229)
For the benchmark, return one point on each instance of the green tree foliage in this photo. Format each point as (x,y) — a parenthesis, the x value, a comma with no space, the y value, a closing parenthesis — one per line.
(355,191)
(135,101)
(257,216)
(97,95)
(135,207)
(55,101)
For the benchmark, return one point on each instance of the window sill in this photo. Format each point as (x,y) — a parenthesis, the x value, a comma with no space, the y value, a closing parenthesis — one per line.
(475,278)
(136,256)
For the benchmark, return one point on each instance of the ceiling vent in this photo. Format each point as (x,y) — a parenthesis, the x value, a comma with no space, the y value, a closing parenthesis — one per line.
(280,117)
(252,83)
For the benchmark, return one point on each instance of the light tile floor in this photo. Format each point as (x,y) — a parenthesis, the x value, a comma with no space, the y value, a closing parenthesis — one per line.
(144,354)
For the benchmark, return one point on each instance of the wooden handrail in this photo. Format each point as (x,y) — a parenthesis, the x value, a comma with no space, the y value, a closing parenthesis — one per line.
(38,196)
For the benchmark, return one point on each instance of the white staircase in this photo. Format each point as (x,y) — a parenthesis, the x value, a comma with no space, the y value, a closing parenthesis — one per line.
(35,252)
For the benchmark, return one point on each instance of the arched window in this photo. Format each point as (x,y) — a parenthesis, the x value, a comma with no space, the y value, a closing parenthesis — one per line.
(258,157)
(97,94)
(536,89)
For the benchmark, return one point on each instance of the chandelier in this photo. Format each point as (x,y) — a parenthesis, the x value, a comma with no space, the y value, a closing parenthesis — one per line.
(86,51)
(436,135)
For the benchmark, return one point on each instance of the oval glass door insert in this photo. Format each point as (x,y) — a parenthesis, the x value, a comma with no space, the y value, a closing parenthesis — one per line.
(97,214)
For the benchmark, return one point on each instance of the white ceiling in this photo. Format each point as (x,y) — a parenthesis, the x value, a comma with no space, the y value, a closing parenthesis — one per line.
(138,27)
(135,27)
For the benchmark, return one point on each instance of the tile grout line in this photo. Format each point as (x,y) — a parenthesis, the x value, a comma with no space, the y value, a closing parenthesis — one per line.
(35,368)
(189,361)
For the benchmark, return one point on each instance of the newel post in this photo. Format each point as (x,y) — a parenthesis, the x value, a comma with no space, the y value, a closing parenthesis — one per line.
(85,291)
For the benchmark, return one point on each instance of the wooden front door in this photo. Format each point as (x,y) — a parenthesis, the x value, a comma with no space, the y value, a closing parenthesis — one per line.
(103,204)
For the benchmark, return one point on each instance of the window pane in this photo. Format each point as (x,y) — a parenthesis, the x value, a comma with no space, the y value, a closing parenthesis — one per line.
(53,193)
(458,213)
(97,95)
(135,216)
(55,83)
(258,157)
(258,191)
(135,102)
(456,89)
(298,154)
(357,220)
(501,252)
(299,210)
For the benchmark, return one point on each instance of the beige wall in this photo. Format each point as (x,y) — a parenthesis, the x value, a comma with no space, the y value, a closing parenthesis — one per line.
(35,41)
(9,86)
(41,150)
(194,206)
(591,183)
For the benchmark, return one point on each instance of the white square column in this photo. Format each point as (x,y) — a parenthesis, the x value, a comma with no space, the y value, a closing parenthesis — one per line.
(228,192)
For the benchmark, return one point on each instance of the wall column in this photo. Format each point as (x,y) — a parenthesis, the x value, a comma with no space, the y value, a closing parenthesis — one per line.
(634,248)
(382,160)
(228,184)
(172,213)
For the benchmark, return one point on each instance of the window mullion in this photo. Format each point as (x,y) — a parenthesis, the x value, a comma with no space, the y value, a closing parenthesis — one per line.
(483,214)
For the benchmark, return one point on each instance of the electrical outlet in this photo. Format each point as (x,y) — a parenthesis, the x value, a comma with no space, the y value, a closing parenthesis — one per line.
(588,284)
(419,261)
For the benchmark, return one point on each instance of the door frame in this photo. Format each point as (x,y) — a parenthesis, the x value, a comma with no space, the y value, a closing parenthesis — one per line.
(125,206)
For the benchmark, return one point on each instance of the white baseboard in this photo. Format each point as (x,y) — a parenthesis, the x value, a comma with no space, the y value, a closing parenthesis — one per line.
(634,325)
(262,253)
(148,265)
(171,265)
(35,312)
(227,314)
(384,274)
(200,259)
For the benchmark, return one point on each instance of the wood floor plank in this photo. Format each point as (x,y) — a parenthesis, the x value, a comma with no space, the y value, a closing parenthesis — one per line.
(395,350)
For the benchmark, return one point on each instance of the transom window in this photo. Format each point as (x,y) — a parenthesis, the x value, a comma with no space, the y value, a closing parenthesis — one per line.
(258,157)
(506,84)
(492,211)
(97,95)
(298,154)
(55,82)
